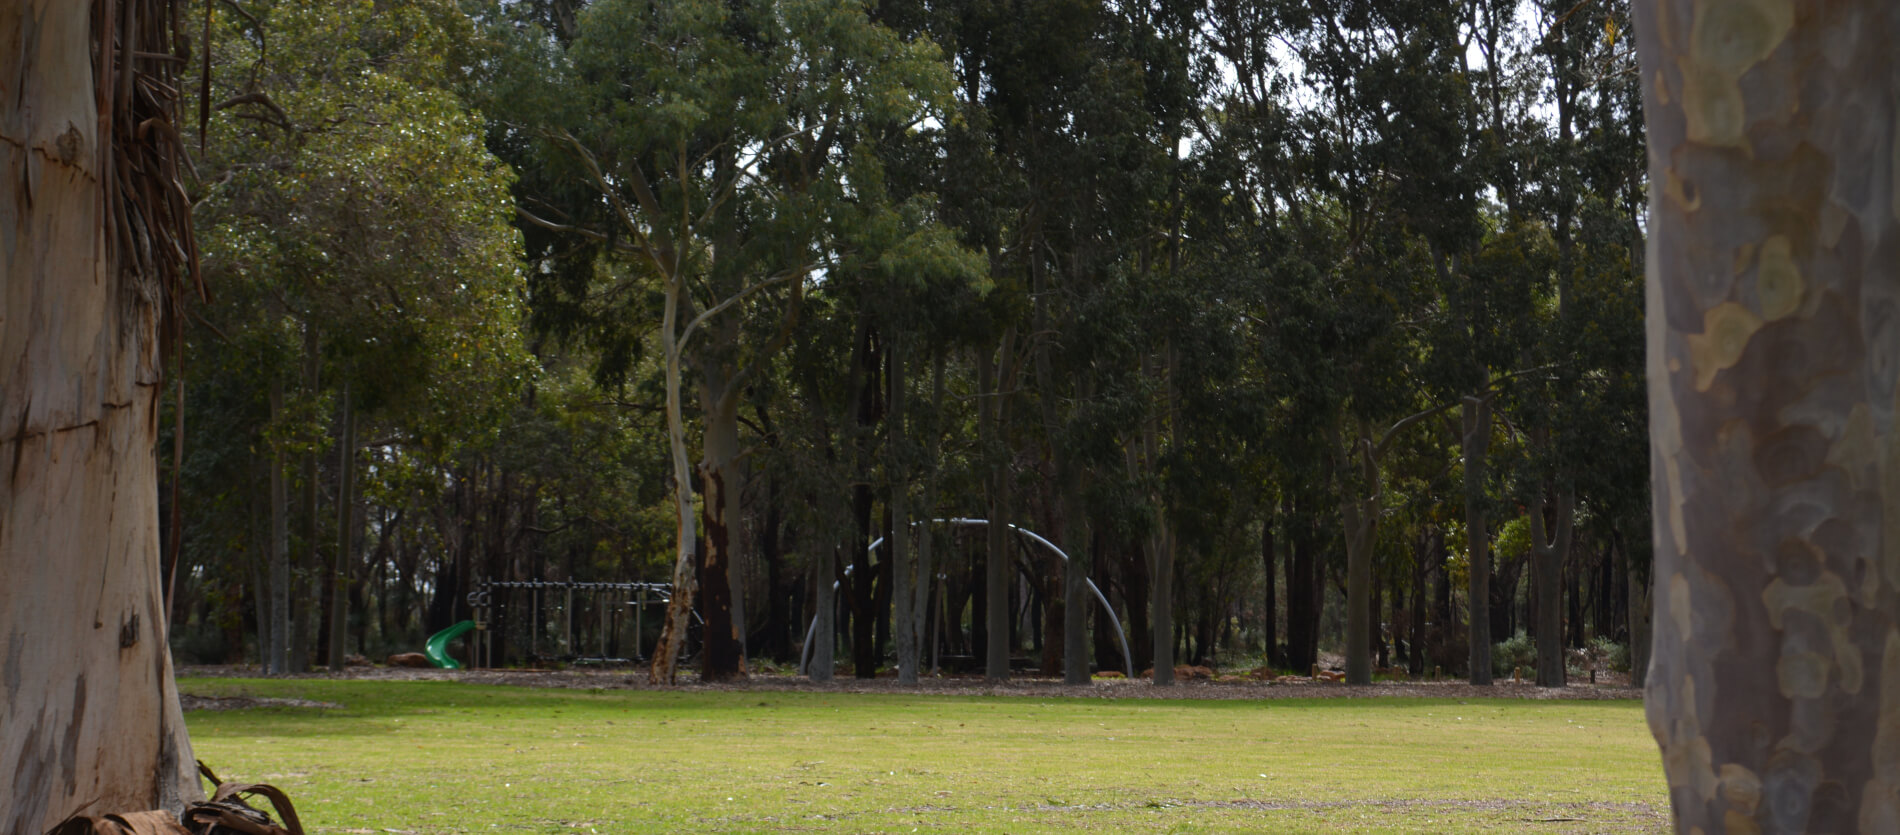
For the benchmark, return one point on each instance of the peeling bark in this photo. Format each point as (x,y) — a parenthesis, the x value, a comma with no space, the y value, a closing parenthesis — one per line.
(1774,273)
(89,715)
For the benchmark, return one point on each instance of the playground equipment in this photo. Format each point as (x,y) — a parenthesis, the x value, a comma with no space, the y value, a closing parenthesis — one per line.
(608,599)
(1121,635)
(438,646)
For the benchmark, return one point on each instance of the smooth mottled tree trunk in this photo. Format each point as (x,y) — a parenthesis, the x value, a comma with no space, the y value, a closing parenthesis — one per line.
(1774,278)
(89,716)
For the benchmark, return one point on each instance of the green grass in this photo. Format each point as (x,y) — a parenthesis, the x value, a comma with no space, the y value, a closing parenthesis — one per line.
(441,756)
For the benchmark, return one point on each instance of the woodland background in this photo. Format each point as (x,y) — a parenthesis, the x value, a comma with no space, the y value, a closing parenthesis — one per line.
(1227,298)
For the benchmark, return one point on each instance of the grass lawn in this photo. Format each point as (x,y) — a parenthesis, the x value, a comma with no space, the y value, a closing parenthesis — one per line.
(443,756)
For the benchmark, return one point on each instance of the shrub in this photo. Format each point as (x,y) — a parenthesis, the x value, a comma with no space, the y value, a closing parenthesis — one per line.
(1615,656)
(1516,651)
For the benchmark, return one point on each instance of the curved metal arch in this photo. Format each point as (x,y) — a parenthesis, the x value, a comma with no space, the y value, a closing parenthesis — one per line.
(1121,635)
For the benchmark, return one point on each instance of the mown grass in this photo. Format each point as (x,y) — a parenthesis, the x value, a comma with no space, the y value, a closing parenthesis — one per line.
(441,756)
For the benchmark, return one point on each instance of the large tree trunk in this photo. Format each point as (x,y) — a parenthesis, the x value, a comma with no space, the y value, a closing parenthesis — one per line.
(1774,272)
(1547,575)
(719,517)
(89,716)
(1359,513)
(1476,441)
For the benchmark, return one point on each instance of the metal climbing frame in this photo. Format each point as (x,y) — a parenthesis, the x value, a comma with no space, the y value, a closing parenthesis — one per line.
(1121,635)
(481,601)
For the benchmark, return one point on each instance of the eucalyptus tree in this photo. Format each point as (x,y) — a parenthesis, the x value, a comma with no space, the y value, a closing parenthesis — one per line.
(98,264)
(362,231)
(1387,123)
(1773,212)
(729,151)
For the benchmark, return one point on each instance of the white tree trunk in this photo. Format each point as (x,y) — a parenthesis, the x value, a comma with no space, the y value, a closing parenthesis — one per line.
(666,655)
(89,715)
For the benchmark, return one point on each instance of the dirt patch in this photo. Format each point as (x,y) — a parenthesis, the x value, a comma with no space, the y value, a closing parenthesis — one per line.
(195,702)
(1038,686)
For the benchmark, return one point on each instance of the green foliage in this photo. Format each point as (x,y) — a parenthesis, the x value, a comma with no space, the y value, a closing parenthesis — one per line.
(1513,654)
(1616,656)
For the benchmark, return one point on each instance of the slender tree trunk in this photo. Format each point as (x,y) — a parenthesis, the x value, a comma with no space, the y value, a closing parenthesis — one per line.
(1270,624)
(926,566)
(89,715)
(309,614)
(345,535)
(1161,567)
(1476,441)
(863,579)
(1420,596)
(278,657)
(778,607)
(1303,591)
(997,562)
(260,561)
(1773,279)
(1076,600)
(1358,510)
(903,578)
(679,608)
(1640,585)
(824,636)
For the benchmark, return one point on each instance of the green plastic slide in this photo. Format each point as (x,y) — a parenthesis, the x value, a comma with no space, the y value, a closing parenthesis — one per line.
(438,647)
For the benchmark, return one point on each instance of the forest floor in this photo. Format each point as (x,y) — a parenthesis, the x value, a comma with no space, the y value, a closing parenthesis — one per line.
(424,751)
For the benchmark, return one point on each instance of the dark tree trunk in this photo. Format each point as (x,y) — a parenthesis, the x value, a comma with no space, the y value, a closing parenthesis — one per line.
(1445,652)
(1304,593)
(775,635)
(1480,596)
(1269,627)
(1135,587)
(1107,652)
